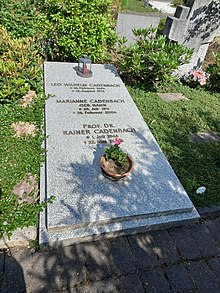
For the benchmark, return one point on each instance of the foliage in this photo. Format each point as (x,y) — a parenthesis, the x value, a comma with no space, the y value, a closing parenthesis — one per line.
(177,2)
(20,69)
(18,17)
(196,164)
(116,154)
(71,29)
(214,71)
(15,215)
(136,5)
(161,26)
(19,66)
(19,156)
(151,59)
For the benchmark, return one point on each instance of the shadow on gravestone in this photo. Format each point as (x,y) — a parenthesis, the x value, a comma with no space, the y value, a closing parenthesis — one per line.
(105,205)
(204,21)
(195,25)
(112,69)
(87,203)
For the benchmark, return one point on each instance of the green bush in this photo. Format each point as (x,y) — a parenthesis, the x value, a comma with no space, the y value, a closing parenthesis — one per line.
(214,71)
(19,17)
(151,59)
(71,29)
(20,71)
(20,68)
(161,26)
(177,2)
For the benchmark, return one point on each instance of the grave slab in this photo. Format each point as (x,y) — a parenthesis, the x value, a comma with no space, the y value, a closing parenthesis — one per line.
(128,21)
(169,97)
(82,117)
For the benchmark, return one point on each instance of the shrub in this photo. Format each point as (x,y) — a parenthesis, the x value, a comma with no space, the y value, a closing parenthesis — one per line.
(214,71)
(151,59)
(19,66)
(177,2)
(73,28)
(161,26)
(18,17)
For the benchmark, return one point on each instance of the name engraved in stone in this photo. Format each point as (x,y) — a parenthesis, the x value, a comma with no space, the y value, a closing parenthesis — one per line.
(98,131)
(107,101)
(114,130)
(82,85)
(72,101)
(105,84)
(76,132)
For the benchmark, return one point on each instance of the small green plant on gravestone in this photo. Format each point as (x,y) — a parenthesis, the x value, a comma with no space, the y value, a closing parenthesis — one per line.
(71,29)
(115,153)
(152,59)
(214,71)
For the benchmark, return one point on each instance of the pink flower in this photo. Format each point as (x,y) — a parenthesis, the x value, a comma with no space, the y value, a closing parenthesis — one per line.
(117,141)
(202,81)
(198,74)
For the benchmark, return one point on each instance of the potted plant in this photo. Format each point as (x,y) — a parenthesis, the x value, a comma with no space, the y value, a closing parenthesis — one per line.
(115,164)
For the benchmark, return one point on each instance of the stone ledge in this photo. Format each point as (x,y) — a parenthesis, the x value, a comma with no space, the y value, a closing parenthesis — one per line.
(20,237)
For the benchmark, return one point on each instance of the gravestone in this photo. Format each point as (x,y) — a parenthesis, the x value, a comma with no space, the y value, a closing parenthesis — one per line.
(83,116)
(128,21)
(194,24)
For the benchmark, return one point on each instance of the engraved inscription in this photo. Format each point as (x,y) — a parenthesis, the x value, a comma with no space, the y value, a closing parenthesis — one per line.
(86,88)
(98,133)
(92,106)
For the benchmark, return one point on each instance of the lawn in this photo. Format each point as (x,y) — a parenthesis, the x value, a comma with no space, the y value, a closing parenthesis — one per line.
(136,5)
(196,164)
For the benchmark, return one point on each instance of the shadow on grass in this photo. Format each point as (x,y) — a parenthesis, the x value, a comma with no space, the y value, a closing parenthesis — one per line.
(196,164)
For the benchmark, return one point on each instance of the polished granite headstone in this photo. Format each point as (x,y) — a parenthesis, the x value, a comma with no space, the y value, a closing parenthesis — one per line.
(82,117)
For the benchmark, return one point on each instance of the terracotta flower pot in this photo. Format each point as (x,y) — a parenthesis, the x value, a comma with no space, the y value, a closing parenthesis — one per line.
(114,172)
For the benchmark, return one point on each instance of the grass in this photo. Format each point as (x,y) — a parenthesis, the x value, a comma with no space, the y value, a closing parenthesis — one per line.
(19,157)
(196,164)
(136,5)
